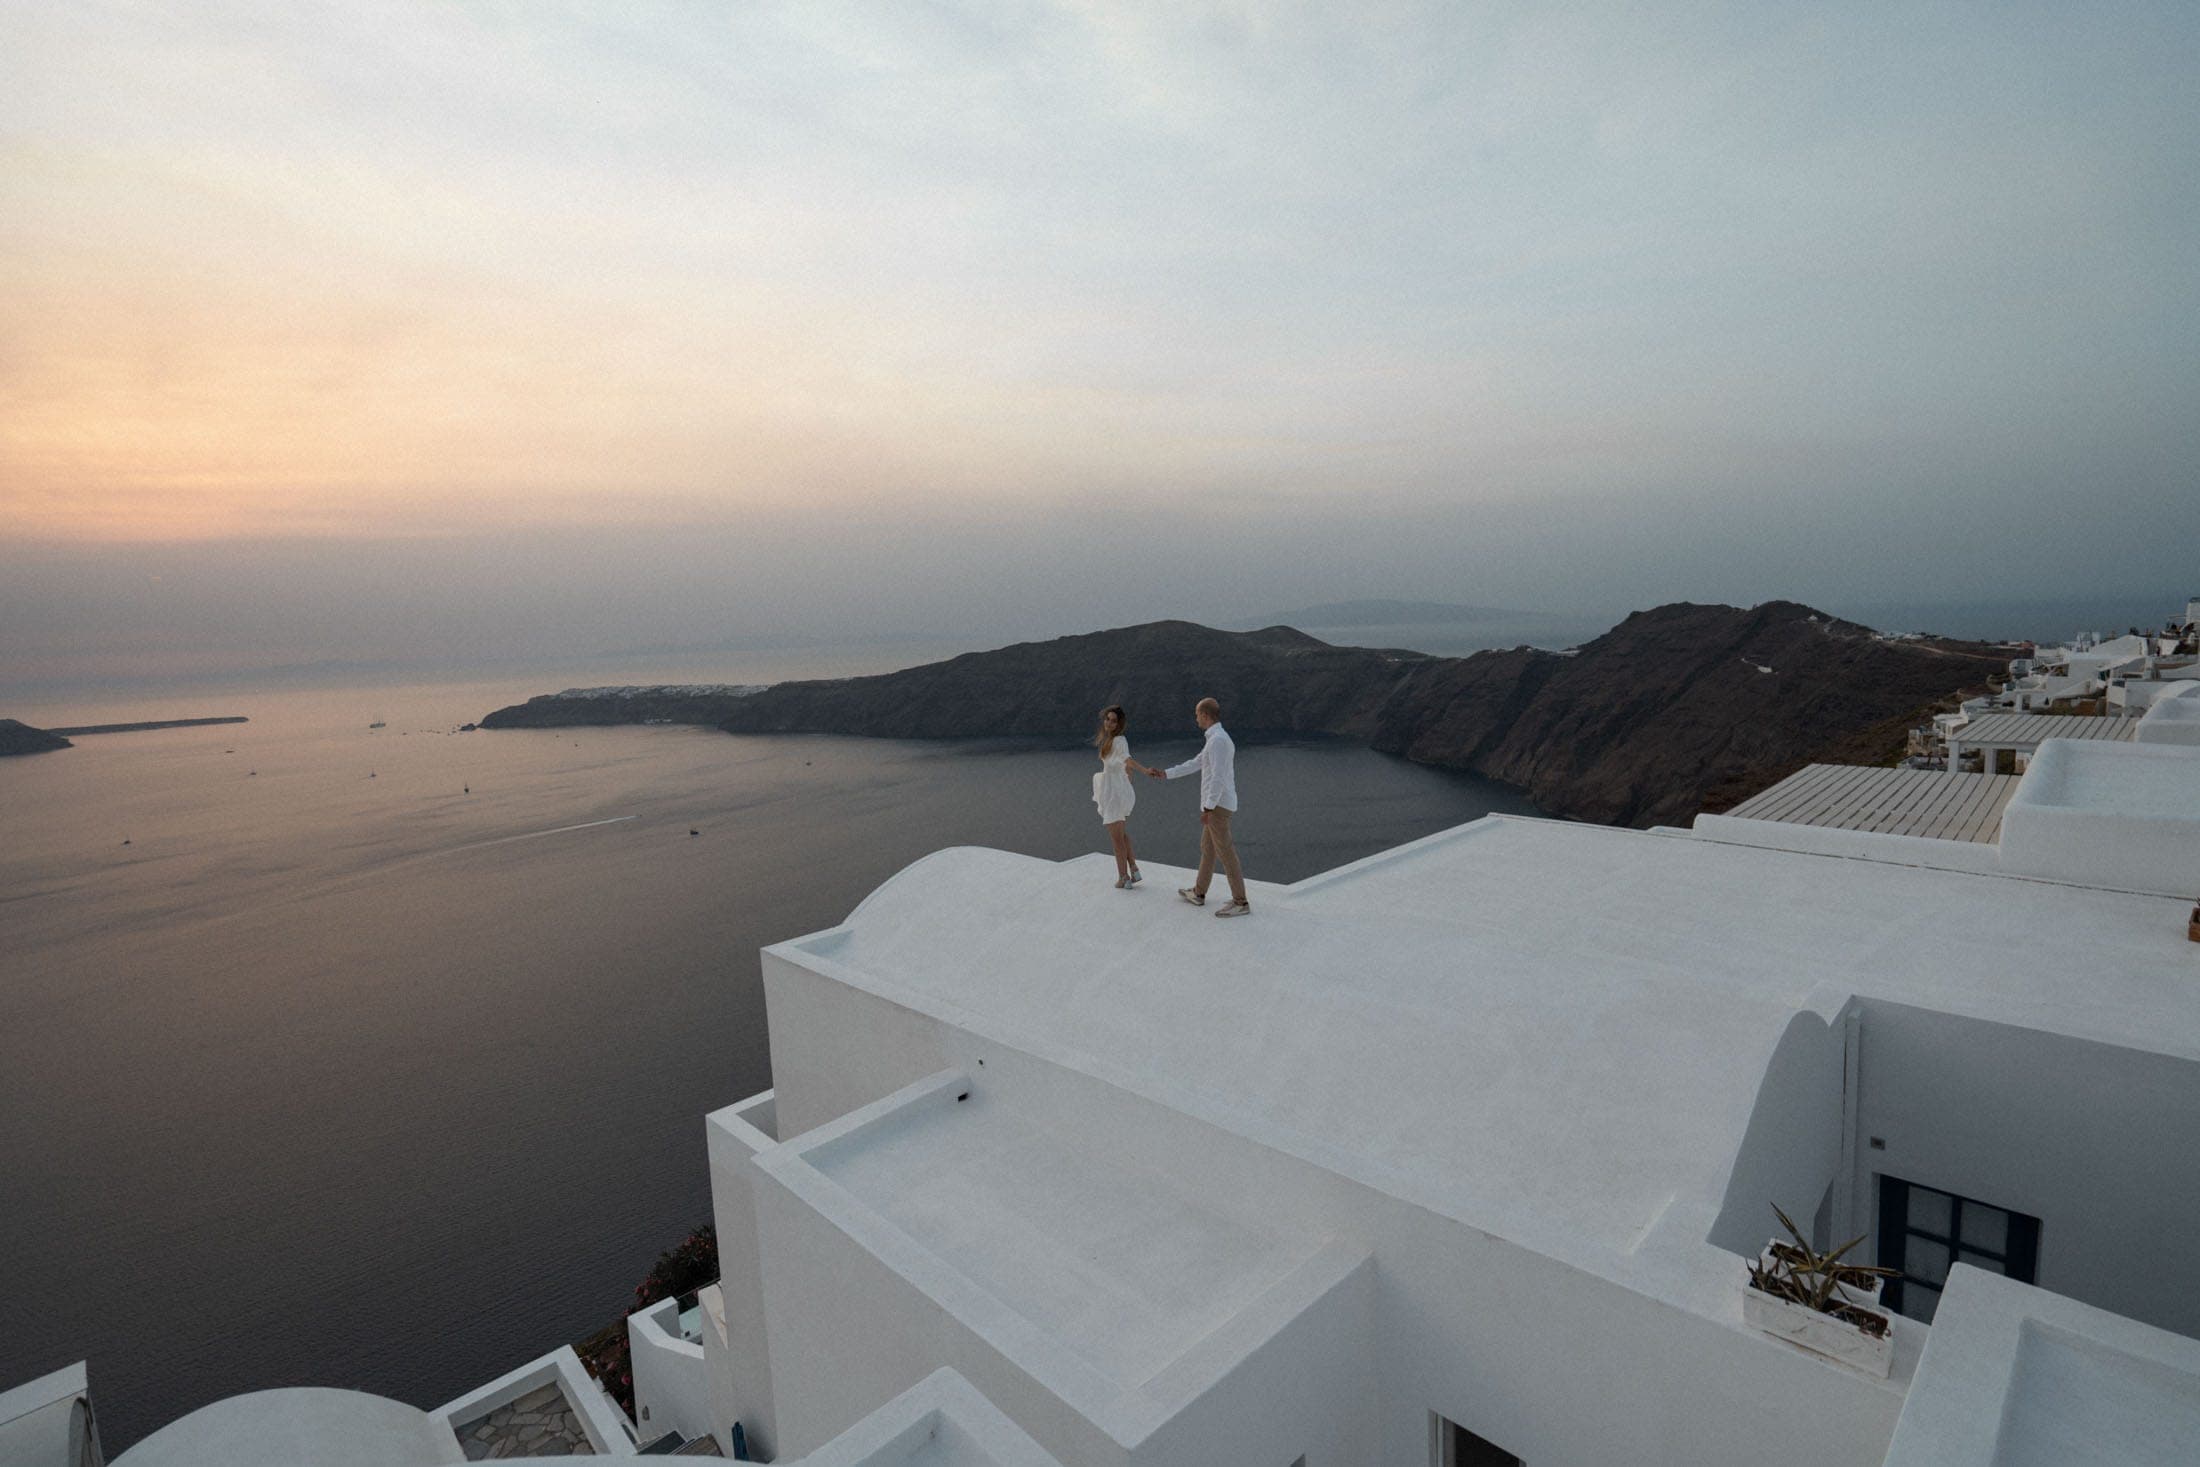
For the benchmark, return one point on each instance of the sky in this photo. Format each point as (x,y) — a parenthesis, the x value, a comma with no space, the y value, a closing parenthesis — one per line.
(379,330)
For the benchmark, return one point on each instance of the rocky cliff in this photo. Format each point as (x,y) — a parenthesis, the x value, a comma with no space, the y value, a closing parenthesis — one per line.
(21,738)
(1678,708)
(1670,710)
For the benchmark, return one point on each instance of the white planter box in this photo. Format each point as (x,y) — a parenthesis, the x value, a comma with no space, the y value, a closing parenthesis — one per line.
(1822,1334)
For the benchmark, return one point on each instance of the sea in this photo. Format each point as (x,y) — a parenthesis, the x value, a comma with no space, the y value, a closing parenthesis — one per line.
(340,1047)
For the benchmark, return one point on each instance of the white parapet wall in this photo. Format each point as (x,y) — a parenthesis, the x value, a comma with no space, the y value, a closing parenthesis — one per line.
(941,1421)
(1860,845)
(737,1355)
(671,1381)
(2019,1377)
(2172,714)
(2122,816)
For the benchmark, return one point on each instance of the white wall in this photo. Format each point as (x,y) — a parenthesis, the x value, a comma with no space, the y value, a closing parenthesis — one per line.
(835,1049)
(48,1422)
(671,1383)
(2097,1142)
(1560,1368)
(848,1334)
(1308,1391)
(943,1411)
(1792,1149)
(741,1372)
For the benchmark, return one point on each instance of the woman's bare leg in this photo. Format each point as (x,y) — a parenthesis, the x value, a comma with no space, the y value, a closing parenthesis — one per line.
(1121,843)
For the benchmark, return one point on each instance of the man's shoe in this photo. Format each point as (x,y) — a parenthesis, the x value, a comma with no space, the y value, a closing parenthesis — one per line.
(1197,899)
(1234,909)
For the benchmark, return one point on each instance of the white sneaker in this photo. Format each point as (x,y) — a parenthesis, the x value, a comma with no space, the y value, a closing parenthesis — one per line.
(1235,909)
(1195,898)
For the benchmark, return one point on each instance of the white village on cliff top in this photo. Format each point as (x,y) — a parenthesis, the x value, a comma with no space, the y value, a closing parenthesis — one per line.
(1461,1154)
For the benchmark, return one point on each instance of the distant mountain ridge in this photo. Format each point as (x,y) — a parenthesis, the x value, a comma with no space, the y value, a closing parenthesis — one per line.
(1672,710)
(1384,613)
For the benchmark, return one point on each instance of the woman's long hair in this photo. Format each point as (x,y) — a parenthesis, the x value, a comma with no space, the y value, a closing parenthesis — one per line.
(1104,741)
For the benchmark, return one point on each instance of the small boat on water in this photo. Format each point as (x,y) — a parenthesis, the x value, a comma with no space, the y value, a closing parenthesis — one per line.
(378,723)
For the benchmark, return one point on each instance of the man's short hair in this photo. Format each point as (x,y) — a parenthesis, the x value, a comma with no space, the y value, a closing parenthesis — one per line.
(1211,708)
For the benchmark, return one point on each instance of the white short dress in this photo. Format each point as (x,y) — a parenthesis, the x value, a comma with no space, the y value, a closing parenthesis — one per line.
(1111,787)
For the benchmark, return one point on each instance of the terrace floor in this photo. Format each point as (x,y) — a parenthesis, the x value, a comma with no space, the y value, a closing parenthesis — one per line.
(1121,1263)
(541,1423)
(1924,802)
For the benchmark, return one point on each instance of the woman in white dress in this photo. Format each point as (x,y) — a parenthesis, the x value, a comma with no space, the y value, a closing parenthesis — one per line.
(1112,792)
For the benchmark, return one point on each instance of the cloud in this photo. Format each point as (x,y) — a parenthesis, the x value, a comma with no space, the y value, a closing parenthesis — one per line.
(1727,285)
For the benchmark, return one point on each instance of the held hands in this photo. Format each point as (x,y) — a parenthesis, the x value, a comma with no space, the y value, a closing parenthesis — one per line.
(1157,774)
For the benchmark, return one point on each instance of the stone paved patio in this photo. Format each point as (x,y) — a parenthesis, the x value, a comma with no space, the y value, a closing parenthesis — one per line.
(541,1423)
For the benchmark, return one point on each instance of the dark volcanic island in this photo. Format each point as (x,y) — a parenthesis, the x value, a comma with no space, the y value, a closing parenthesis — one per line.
(21,738)
(1672,711)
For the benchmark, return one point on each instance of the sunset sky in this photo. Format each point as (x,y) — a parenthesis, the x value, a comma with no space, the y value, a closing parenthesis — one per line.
(849,316)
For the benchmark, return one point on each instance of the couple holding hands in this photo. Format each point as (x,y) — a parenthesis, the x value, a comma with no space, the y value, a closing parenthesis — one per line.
(1216,766)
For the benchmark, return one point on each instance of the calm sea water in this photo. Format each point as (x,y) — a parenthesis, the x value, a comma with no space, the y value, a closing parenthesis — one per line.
(378,1058)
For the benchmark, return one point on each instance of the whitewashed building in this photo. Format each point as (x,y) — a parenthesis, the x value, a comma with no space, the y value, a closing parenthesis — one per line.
(1455,1156)
(2123,674)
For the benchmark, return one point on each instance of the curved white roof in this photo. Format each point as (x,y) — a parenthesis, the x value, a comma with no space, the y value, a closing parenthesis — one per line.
(327,1428)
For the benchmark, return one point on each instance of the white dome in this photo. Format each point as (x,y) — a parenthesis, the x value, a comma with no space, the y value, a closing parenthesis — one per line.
(328,1428)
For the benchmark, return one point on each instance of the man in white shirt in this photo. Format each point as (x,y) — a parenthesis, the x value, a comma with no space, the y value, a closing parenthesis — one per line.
(1216,765)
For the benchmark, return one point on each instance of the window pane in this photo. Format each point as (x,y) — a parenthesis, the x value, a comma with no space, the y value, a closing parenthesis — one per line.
(1986,1227)
(1929,1211)
(1986,1261)
(1920,1303)
(1926,1261)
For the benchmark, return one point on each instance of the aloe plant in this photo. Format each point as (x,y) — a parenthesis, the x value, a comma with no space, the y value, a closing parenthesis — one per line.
(1802,1275)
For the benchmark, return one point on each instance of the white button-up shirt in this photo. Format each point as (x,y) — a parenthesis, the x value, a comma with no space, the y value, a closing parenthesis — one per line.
(1216,765)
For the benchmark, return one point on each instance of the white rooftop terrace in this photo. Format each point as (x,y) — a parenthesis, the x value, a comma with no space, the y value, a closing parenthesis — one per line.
(1122,1263)
(1545,1029)
(2136,780)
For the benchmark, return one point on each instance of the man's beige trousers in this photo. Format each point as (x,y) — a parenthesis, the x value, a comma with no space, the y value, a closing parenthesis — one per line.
(1215,846)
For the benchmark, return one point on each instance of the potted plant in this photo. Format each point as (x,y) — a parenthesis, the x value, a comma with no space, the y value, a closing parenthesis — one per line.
(1815,1300)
